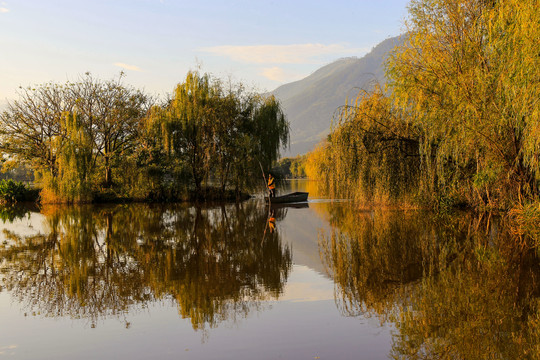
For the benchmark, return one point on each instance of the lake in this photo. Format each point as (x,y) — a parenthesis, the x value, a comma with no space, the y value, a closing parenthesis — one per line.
(322,280)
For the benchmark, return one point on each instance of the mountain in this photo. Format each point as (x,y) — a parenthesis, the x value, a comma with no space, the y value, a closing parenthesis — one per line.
(310,103)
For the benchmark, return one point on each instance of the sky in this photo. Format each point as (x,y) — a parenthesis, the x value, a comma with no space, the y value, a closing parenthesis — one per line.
(263,44)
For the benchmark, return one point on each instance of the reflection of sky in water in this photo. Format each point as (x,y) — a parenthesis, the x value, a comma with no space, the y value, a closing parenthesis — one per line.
(306,285)
(27,226)
(8,350)
(303,323)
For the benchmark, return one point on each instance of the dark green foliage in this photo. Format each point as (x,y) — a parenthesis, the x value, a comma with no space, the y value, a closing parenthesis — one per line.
(13,191)
(209,133)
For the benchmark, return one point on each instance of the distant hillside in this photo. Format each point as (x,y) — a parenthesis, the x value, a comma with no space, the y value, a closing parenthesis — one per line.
(310,103)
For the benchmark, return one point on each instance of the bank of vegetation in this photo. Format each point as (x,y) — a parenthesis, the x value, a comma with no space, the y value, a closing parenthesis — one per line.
(459,121)
(94,140)
(290,167)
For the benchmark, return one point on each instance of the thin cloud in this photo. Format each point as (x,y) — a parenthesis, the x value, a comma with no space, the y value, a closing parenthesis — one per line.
(282,54)
(278,74)
(3,10)
(127,66)
(5,350)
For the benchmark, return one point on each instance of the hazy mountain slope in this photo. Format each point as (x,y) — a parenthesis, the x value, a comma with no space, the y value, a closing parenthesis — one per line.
(310,103)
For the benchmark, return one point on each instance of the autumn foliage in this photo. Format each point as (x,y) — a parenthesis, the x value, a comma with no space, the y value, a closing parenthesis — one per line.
(459,122)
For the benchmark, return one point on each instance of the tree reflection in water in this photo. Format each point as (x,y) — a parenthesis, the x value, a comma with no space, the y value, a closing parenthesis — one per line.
(456,287)
(96,262)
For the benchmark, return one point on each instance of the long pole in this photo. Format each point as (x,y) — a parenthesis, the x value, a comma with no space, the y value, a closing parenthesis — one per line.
(264,177)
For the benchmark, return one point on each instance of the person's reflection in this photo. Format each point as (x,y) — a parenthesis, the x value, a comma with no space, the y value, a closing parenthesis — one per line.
(272,221)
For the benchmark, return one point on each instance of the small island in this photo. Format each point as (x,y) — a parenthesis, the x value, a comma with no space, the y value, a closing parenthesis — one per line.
(102,141)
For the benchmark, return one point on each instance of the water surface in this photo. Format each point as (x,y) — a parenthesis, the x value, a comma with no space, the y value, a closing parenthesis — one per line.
(220,282)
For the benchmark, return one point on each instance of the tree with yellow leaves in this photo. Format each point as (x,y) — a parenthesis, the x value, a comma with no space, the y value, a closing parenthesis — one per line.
(469,75)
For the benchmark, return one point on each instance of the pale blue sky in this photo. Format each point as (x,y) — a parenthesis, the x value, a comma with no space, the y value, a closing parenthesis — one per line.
(262,43)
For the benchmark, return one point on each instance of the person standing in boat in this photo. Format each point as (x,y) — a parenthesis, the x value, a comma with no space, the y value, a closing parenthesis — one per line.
(271,186)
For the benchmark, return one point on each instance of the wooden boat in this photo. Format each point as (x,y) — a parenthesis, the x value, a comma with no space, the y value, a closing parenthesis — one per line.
(289,198)
(295,205)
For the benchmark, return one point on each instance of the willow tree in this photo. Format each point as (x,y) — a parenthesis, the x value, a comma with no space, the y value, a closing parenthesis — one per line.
(185,122)
(232,107)
(371,154)
(74,163)
(220,133)
(263,132)
(270,128)
(469,75)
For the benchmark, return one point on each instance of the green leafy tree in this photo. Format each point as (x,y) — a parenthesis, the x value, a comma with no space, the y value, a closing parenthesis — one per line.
(232,109)
(270,130)
(220,133)
(112,113)
(186,122)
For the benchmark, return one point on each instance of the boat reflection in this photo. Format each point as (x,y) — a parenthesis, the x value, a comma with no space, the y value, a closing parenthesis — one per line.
(302,205)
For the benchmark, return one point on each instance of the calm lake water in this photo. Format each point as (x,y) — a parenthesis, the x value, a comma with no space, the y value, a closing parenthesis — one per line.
(218,281)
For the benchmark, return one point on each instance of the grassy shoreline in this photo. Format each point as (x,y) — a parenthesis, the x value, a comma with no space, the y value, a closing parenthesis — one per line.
(12,192)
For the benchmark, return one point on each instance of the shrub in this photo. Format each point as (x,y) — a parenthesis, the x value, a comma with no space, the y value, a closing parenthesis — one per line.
(12,191)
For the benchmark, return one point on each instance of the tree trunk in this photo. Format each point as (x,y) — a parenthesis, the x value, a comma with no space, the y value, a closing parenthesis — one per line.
(108,173)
